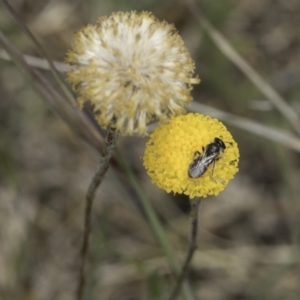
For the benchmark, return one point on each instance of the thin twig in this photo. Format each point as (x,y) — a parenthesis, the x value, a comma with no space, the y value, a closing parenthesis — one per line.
(193,246)
(110,143)
(222,43)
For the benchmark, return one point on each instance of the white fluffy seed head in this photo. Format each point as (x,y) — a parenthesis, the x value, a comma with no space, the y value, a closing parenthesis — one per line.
(133,68)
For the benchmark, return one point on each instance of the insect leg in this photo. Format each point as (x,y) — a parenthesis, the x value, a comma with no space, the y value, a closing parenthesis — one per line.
(213,168)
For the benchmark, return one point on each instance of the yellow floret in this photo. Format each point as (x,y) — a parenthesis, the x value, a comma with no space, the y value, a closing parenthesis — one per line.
(172,146)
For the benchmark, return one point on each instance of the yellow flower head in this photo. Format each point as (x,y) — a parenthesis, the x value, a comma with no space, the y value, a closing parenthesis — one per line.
(132,68)
(175,148)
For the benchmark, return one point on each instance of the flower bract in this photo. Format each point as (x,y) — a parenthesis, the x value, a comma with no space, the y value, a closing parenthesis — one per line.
(133,68)
(172,148)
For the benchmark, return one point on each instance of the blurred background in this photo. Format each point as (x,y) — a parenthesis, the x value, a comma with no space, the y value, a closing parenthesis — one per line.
(248,245)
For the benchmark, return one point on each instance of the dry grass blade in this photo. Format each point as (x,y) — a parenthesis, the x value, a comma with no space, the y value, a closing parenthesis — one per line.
(277,135)
(255,78)
(37,62)
(76,119)
(42,52)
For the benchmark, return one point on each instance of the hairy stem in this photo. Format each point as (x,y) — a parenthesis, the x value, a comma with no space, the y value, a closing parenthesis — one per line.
(193,246)
(110,143)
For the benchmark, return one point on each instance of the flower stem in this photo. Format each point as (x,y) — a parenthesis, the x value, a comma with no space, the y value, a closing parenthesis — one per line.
(155,224)
(193,246)
(110,142)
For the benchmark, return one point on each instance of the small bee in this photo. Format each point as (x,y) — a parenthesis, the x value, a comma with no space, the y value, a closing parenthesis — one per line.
(210,154)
